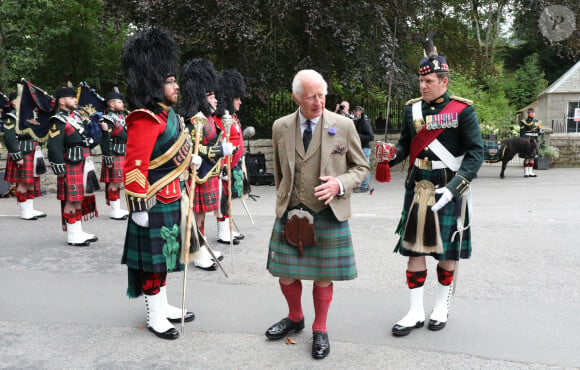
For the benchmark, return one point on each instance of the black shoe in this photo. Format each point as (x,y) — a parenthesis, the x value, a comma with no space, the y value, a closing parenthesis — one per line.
(283,327)
(41,215)
(169,334)
(234,242)
(401,331)
(320,345)
(120,218)
(189,316)
(86,243)
(93,239)
(33,218)
(212,267)
(436,325)
(533,175)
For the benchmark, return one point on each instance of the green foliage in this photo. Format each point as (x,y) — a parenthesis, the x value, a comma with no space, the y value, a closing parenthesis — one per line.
(523,87)
(493,109)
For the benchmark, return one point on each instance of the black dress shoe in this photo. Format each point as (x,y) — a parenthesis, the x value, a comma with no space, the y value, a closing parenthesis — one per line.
(40,215)
(283,327)
(234,241)
(120,218)
(240,236)
(436,325)
(189,316)
(401,331)
(212,267)
(320,345)
(86,243)
(169,334)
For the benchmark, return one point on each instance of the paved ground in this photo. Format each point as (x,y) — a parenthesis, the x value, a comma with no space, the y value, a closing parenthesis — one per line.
(516,306)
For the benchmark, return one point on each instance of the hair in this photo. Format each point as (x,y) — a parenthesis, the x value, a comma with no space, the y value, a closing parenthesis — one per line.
(303,75)
(441,75)
(148,58)
(198,77)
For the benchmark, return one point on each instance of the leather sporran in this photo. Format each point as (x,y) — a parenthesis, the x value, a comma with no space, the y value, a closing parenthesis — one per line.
(299,230)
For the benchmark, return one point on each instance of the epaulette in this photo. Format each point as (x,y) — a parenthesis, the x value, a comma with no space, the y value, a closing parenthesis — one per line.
(413,101)
(460,99)
(59,117)
(140,114)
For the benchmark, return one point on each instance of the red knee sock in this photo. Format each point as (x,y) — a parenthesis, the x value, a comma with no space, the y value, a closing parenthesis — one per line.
(293,295)
(21,197)
(445,277)
(322,297)
(114,195)
(416,279)
(69,218)
(30,194)
(151,282)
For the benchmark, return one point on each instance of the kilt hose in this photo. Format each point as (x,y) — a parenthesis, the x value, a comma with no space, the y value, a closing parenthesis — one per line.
(206,196)
(447,222)
(23,174)
(331,259)
(115,173)
(155,248)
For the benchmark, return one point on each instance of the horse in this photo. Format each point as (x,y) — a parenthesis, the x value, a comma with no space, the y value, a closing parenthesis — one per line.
(505,150)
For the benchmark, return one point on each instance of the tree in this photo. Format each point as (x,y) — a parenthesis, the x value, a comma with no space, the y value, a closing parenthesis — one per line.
(526,83)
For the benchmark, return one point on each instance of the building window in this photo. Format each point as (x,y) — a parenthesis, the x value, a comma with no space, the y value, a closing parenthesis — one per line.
(572,126)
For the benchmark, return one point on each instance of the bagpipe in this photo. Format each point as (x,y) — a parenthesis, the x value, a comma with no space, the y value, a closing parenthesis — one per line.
(384,152)
(91,107)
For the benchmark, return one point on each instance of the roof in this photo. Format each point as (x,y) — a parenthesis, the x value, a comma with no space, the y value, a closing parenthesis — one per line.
(568,82)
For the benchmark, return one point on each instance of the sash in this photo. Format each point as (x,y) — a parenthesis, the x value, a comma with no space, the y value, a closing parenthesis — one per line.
(424,137)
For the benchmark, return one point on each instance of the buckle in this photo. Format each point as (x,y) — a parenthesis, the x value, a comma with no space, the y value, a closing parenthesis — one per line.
(424,164)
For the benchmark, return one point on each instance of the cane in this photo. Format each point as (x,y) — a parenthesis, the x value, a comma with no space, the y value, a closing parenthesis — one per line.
(198,126)
(227,120)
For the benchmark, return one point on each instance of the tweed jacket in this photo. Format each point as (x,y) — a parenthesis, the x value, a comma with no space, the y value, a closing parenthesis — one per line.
(341,157)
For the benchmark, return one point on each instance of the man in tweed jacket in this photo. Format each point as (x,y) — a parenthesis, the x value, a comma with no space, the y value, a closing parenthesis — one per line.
(318,161)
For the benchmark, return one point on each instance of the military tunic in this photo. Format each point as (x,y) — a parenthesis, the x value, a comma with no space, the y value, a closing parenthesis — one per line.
(20,147)
(113,147)
(461,137)
(530,129)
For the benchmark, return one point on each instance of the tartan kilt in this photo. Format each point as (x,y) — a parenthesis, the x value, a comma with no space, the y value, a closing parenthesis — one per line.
(143,249)
(70,186)
(207,195)
(21,175)
(447,224)
(115,173)
(331,259)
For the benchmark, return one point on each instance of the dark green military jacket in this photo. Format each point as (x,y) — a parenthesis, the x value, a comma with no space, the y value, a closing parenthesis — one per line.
(66,140)
(465,139)
(530,126)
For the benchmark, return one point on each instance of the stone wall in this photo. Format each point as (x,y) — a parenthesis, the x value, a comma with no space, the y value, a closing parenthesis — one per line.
(569,147)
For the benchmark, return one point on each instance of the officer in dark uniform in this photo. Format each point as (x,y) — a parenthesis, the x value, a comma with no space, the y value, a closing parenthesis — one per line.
(113,147)
(441,137)
(68,148)
(530,128)
(20,163)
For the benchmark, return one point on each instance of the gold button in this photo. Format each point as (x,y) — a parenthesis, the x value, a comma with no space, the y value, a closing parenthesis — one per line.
(432,108)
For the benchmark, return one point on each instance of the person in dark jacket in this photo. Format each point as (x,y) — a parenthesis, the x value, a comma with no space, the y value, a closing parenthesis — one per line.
(365,132)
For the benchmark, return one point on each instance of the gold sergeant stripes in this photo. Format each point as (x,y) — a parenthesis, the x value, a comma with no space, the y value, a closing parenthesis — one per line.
(135,176)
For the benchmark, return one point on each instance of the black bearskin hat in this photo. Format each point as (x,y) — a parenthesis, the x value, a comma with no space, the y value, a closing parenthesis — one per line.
(230,85)
(148,59)
(198,79)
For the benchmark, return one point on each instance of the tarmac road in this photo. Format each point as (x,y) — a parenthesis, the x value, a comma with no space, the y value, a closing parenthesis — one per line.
(516,307)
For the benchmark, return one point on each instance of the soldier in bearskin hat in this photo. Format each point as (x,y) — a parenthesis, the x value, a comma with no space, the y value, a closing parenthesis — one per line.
(20,163)
(113,146)
(198,86)
(231,90)
(442,139)
(68,148)
(157,161)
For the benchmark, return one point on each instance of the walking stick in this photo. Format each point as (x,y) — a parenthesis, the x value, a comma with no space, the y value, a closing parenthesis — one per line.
(227,120)
(198,125)
(392,68)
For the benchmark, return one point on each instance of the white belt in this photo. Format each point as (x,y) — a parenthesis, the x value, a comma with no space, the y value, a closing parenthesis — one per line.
(425,164)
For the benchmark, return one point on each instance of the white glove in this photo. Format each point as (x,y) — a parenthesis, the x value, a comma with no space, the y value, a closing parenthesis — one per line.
(228,149)
(446,197)
(141,218)
(195,160)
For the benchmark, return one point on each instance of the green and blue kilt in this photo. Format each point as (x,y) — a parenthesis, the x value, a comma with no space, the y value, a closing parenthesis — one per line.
(155,248)
(447,221)
(207,195)
(331,259)
(115,173)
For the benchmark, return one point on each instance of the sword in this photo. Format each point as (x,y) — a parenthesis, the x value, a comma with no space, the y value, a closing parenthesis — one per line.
(460,229)
(227,121)
(248,212)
